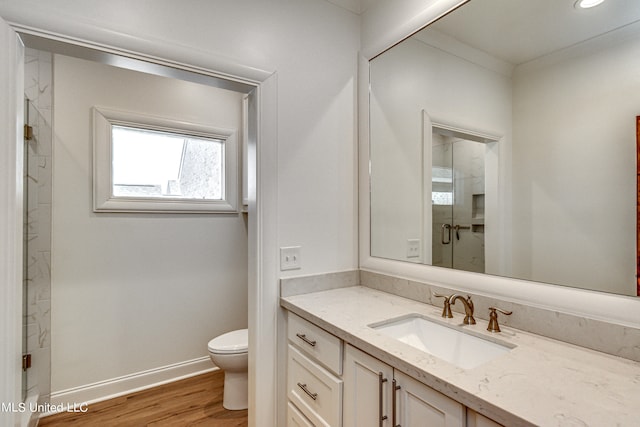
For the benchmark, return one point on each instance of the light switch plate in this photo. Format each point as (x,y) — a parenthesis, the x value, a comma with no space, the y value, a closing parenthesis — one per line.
(290,258)
(413,248)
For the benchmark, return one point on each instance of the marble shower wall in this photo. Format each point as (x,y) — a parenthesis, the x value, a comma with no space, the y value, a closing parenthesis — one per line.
(38,90)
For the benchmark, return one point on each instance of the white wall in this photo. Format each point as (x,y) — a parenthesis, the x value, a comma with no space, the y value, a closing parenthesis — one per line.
(313,46)
(575,188)
(132,292)
(411,77)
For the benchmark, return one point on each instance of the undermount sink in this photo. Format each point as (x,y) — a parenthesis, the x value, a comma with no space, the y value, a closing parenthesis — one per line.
(442,341)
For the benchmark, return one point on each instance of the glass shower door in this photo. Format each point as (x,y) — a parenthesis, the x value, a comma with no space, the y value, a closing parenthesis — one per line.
(442,197)
(458,203)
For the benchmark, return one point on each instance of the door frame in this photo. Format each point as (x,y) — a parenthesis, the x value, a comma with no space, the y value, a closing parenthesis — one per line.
(262,191)
(429,126)
(11,223)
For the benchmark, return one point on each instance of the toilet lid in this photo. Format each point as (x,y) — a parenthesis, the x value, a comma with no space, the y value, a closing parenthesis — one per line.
(231,342)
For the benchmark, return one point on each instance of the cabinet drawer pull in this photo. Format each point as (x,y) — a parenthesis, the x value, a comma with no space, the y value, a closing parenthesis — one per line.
(304,338)
(314,396)
(381,381)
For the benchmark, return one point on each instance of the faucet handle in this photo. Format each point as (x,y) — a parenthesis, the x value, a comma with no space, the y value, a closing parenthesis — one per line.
(446,308)
(493,318)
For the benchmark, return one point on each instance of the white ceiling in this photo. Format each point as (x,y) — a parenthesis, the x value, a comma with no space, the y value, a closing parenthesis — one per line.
(518,31)
(356,6)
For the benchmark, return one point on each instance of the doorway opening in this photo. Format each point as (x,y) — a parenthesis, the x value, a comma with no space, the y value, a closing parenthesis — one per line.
(457,202)
(249,90)
(459,174)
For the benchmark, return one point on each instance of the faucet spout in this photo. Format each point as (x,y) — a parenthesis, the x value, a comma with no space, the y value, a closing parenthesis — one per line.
(468,307)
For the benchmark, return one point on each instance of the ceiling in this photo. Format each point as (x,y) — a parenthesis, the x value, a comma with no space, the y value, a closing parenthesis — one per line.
(356,6)
(517,31)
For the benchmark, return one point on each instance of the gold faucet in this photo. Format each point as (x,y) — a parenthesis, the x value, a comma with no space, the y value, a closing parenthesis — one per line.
(468,307)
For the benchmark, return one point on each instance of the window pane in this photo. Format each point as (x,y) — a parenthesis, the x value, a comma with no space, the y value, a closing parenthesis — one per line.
(154,164)
(442,198)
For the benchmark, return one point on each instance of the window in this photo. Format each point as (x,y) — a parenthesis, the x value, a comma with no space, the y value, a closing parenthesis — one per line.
(442,186)
(144,163)
(158,164)
(443,198)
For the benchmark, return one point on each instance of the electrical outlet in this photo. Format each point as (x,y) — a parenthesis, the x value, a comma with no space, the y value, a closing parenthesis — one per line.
(290,258)
(413,248)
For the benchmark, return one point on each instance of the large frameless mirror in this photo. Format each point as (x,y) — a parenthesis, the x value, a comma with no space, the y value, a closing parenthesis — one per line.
(503,141)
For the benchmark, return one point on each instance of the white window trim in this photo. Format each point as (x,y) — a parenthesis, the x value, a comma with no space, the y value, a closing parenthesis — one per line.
(104,201)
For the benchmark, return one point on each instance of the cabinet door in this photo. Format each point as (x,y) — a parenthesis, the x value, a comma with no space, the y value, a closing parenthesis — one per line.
(367,390)
(474,419)
(421,406)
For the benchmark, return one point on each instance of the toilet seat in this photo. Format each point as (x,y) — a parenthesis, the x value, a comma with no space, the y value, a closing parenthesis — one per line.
(233,342)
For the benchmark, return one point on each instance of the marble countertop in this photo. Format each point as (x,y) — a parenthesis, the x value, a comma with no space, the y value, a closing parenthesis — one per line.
(541,382)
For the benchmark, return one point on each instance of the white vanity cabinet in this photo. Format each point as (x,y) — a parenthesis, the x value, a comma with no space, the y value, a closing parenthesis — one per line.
(361,392)
(375,394)
(314,367)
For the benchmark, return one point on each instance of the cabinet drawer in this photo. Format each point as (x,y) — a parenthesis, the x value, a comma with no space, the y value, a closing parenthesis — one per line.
(295,418)
(314,390)
(316,342)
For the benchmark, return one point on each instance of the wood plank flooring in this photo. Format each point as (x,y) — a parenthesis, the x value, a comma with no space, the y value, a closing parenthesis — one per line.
(195,401)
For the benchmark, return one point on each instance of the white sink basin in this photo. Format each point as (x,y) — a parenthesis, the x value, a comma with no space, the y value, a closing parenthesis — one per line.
(443,341)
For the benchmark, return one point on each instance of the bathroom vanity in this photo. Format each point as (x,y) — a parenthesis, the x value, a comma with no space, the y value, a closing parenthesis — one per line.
(478,172)
(344,370)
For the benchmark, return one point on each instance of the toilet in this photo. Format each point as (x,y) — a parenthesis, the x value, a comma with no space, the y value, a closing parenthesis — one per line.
(230,352)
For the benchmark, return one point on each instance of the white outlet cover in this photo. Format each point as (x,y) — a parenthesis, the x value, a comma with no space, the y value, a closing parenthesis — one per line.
(413,248)
(290,258)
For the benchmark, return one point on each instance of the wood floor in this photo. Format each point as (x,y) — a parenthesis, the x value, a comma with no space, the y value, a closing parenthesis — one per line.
(195,401)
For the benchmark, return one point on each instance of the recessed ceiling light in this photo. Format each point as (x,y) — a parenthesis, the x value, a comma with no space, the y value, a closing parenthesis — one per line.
(586,4)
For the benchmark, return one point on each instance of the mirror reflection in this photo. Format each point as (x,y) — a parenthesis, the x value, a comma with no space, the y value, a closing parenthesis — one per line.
(457,201)
(503,141)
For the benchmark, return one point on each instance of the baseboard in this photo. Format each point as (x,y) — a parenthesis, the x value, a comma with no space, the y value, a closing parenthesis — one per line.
(78,398)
